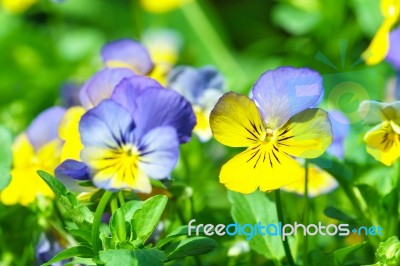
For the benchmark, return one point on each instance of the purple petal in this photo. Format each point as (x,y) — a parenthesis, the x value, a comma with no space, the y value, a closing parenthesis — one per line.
(163,107)
(128,52)
(71,172)
(159,152)
(393,56)
(340,128)
(101,85)
(45,127)
(192,83)
(73,169)
(286,91)
(129,89)
(70,94)
(106,125)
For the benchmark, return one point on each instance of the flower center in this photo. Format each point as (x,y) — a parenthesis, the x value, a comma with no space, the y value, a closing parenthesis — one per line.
(269,135)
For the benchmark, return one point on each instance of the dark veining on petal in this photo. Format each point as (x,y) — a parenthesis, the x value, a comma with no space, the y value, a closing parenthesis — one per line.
(273,153)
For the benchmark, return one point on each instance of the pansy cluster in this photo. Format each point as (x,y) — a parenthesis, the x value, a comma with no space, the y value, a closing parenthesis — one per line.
(123,131)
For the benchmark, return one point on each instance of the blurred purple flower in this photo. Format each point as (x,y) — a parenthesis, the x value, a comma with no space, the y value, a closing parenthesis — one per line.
(393,56)
(129,54)
(46,249)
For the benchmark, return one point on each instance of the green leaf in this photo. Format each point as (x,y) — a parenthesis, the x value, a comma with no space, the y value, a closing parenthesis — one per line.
(81,234)
(180,231)
(81,261)
(77,251)
(388,252)
(336,258)
(146,219)
(117,226)
(80,214)
(193,246)
(130,208)
(337,214)
(157,183)
(342,254)
(254,208)
(6,157)
(137,257)
(294,19)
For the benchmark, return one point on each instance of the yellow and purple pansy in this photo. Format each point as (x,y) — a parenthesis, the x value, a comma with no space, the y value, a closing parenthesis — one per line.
(126,140)
(383,140)
(202,87)
(277,124)
(39,148)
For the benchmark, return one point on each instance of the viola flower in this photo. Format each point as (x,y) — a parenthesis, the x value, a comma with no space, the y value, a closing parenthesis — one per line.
(163,46)
(379,46)
(320,181)
(383,140)
(154,6)
(202,88)
(16,6)
(126,53)
(99,87)
(133,135)
(275,126)
(37,149)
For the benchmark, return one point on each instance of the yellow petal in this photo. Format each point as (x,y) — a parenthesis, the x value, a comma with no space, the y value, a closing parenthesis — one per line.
(235,121)
(17,6)
(390,8)
(319,182)
(49,155)
(306,135)
(69,132)
(260,166)
(202,128)
(157,6)
(24,187)
(23,152)
(383,143)
(160,73)
(379,46)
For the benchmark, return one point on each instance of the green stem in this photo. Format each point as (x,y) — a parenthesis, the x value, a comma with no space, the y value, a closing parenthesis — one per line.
(97,220)
(121,198)
(281,219)
(114,204)
(306,213)
(211,40)
(395,222)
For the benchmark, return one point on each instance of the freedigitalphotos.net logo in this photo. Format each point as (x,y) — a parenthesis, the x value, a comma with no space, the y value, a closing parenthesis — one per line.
(280,230)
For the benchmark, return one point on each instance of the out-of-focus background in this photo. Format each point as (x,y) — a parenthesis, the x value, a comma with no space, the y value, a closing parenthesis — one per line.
(48,46)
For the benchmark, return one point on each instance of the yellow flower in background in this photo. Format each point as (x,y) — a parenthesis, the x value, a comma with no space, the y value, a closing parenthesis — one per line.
(319,182)
(164,46)
(379,46)
(16,6)
(37,149)
(157,6)
(278,124)
(69,132)
(383,140)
